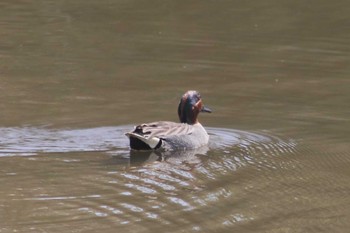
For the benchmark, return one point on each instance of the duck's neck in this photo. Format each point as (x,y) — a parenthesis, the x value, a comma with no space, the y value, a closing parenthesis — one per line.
(188,117)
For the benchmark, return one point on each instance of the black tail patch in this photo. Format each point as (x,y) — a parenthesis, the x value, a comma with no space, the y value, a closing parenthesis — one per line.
(137,144)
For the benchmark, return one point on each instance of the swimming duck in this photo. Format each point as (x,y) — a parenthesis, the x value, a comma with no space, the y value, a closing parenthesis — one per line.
(166,135)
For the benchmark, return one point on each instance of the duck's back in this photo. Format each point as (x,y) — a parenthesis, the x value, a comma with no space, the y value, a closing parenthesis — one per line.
(197,138)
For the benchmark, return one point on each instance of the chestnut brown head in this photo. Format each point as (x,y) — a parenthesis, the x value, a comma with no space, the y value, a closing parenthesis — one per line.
(190,106)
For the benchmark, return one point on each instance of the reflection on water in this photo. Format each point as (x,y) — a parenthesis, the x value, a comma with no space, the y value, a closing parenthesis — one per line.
(234,182)
(132,189)
(30,140)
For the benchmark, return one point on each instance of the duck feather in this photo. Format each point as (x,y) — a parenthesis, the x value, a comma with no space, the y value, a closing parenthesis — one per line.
(162,129)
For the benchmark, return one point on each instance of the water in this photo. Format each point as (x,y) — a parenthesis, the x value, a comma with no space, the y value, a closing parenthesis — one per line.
(76,75)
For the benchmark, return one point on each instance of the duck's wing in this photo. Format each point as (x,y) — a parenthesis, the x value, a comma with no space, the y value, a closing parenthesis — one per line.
(163,129)
(151,134)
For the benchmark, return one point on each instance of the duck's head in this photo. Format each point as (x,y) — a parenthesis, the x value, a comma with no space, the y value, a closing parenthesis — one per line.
(190,106)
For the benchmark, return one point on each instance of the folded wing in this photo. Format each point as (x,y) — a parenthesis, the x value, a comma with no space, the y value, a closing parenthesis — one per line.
(150,135)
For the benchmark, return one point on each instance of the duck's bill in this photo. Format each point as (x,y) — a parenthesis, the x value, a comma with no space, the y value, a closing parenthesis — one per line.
(205,109)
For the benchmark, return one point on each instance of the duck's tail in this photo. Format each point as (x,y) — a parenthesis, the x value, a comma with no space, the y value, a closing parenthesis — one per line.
(140,142)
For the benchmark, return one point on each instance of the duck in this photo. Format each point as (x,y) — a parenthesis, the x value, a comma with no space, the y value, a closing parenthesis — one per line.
(169,136)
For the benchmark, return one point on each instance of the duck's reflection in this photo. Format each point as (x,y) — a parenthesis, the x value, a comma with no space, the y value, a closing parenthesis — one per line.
(138,158)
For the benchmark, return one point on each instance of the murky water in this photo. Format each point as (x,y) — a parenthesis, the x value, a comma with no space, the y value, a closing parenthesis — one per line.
(76,75)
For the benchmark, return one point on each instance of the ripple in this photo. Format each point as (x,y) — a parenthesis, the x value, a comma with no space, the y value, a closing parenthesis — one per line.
(207,174)
(28,141)
(239,177)
(223,137)
(187,182)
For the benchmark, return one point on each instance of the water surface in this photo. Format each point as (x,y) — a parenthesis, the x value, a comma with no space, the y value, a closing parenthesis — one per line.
(76,75)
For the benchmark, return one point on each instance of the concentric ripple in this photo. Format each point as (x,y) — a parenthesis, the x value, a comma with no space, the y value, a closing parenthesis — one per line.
(152,190)
(241,178)
(33,140)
